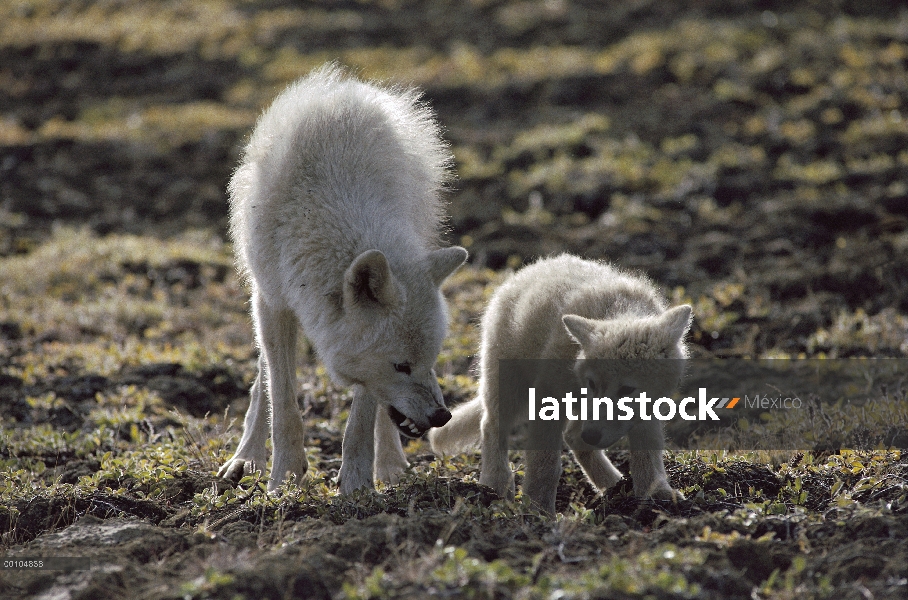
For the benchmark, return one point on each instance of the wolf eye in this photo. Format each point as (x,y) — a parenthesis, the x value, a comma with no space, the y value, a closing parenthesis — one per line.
(625,391)
(402,368)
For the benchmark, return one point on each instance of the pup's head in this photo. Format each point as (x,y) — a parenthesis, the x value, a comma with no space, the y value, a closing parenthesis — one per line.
(627,356)
(393,325)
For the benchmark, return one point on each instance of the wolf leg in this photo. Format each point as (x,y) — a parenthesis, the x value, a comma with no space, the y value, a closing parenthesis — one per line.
(595,464)
(647,466)
(251,455)
(358,450)
(390,460)
(276,330)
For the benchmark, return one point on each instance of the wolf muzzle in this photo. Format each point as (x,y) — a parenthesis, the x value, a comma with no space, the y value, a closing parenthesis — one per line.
(440,417)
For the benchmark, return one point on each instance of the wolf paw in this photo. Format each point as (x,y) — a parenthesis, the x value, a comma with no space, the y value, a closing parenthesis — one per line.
(390,471)
(237,468)
(284,470)
(351,479)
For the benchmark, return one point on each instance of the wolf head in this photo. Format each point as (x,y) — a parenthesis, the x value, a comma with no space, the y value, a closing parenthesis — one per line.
(393,322)
(622,357)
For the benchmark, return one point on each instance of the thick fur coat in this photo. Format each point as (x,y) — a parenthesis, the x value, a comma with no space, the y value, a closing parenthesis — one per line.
(569,308)
(335,213)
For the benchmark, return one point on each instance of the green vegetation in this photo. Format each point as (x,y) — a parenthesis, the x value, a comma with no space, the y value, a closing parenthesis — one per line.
(136,452)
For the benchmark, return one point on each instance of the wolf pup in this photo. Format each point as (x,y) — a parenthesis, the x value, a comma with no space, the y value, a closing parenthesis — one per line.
(335,216)
(566,308)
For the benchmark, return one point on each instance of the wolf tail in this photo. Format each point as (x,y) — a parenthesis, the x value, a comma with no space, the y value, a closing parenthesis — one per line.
(462,432)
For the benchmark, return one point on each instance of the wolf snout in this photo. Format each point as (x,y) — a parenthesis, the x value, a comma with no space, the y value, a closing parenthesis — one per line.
(440,417)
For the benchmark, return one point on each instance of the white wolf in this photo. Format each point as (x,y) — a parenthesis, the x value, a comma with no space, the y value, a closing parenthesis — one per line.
(335,215)
(566,308)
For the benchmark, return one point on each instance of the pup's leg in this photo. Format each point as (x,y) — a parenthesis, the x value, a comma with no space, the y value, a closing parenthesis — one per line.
(595,464)
(647,467)
(251,455)
(542,474)
(390,460)
(358,451)
(276,331)
(495,471)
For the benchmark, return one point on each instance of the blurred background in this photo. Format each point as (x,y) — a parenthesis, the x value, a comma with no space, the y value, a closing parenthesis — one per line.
(749,155)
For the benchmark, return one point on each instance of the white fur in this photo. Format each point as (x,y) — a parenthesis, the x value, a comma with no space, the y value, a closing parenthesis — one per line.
(335,217)
(566,308)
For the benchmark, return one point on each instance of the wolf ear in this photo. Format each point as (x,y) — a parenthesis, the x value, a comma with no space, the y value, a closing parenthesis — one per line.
(581,329)
(369,279)
(676,322)
(445,261)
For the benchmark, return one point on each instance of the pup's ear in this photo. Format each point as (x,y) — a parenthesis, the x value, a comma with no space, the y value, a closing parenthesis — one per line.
(369,280)
(676,322)
(445,261)
(581,329)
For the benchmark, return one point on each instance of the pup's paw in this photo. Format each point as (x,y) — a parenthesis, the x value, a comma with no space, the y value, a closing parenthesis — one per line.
(237,468)
(500,481)
(666,493)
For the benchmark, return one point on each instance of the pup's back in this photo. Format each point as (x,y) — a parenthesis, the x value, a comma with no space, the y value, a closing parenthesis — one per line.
(523,319)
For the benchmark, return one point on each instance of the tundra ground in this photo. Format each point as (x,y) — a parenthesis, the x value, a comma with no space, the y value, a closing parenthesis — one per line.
(749,156)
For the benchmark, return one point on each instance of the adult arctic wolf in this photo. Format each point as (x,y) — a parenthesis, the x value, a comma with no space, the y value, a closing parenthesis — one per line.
(569,308)
(335,215)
